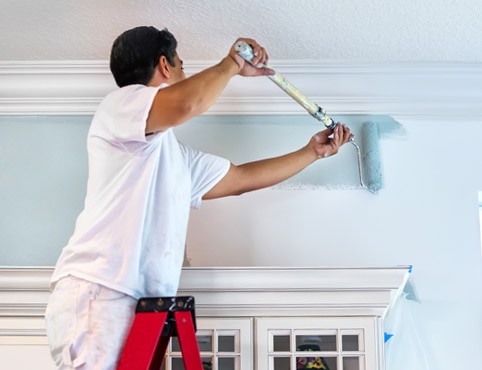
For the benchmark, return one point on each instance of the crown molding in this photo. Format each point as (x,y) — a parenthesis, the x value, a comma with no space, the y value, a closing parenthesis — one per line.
(437,90)
(249,291)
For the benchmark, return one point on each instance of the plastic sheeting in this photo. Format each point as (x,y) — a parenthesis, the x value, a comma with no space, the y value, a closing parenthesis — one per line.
(404,346)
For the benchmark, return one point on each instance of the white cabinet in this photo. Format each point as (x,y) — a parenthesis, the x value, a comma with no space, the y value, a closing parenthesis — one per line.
(247,318)
(335,343)
(224,343)
(333,314)
(283,343)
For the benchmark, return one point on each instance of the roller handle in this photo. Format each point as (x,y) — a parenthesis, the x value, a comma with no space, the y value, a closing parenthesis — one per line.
(245,51)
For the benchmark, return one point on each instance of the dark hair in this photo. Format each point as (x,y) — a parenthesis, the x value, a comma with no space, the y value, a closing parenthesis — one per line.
(136,52)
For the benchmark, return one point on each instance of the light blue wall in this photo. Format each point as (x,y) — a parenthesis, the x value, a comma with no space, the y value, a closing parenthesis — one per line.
(43,172)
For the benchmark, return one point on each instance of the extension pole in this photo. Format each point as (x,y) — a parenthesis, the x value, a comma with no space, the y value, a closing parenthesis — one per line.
(246,52)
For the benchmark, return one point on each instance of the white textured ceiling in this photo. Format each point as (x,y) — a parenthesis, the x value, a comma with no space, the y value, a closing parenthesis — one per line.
(363,30)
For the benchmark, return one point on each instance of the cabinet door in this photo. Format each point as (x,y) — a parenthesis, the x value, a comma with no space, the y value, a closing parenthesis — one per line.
(225,344)
(328,343)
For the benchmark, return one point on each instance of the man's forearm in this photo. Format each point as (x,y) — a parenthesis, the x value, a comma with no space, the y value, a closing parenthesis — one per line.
(261,174)
(272,171)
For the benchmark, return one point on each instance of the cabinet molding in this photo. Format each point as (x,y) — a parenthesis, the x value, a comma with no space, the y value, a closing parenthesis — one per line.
(244,291)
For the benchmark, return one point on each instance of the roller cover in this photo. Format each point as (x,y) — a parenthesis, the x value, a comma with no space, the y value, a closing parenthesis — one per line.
(371,165)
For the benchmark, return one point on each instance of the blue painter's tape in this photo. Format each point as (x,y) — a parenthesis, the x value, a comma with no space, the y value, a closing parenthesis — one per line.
(387,337)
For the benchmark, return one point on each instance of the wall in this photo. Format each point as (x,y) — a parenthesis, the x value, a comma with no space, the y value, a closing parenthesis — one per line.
(426,215)
(48,167)
(43,173)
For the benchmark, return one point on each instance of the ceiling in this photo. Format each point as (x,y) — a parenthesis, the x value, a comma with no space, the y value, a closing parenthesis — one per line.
(345,30)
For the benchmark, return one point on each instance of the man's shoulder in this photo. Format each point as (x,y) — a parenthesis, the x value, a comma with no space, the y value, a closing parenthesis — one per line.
(125,90)
(130,93)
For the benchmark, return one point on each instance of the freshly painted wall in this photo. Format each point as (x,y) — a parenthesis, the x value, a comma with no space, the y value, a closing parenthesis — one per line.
(43,174)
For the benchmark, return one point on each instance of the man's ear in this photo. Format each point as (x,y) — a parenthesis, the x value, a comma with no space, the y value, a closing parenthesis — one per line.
(164,67)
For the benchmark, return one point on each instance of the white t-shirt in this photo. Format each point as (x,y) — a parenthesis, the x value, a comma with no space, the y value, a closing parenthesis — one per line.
(131,234)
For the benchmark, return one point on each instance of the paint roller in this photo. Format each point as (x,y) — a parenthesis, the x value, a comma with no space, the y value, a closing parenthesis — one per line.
(368,164)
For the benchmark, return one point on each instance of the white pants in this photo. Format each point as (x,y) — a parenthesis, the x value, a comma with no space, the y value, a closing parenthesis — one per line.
(87,324)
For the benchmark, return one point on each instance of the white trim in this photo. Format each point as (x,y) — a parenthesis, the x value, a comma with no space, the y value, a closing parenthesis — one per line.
(255,291)
(438,90)
(21,327)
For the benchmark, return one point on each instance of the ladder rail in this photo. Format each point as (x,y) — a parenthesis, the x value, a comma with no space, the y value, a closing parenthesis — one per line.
(155,322)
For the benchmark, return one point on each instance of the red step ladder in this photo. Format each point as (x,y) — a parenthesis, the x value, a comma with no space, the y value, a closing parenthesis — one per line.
(155,322)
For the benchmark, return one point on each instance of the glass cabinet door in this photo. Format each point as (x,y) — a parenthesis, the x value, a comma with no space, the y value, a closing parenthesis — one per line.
(316,343)
(225,344)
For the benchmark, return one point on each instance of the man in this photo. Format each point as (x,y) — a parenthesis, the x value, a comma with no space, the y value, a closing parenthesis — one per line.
(129,239)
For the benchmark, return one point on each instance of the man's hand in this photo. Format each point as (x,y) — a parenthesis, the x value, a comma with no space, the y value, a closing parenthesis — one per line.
(326,143)
(259,60)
